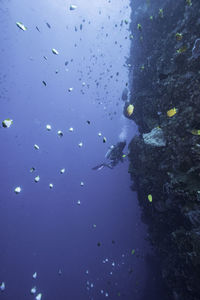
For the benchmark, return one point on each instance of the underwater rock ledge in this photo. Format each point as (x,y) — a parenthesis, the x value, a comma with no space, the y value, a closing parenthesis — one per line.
(165,77)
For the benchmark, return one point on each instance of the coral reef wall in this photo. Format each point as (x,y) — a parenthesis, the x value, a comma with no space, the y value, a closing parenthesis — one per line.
(165,156)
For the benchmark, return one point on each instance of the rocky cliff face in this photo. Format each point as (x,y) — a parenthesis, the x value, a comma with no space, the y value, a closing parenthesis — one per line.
(165,157)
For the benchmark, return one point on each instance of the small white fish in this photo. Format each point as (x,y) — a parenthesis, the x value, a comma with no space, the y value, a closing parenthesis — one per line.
(38,297)
(36,147)
(21,26)
(60,133)
(7,123)
(33,290)
(2,286)
(18,190)
(72,7)
(55,51)
(48,127)
(37,179)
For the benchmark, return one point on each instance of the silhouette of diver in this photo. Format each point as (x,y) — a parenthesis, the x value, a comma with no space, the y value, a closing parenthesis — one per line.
(114,155)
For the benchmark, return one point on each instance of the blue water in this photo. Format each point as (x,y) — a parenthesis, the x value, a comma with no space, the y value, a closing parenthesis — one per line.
(44,230)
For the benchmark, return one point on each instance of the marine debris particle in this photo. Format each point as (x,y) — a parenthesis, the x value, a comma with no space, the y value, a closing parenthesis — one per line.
(33,290)
(133,251)
(130,109)
(88,122)
(50,185)
(71,129)
(139,27)
(150,198)
(82,183)
(72,7)
(34,275)
(32,169)
(48,127)
(98,244)
(18,190)
(44,82)
(2,286)
(70,89)
(171,112)
(80,144)
(37,178)
(55,51)
(99,134)
(79,202)
(7,123)
(60,133)
(21,26)
(104,139)
(36,147)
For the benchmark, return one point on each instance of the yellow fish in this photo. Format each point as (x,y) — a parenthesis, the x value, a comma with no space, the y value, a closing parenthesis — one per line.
(130,110)
(171,112)
(195,132)
(150,198)
(179,36)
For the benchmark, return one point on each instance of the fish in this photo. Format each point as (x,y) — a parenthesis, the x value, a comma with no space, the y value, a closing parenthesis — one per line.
(48,25)
(101,166)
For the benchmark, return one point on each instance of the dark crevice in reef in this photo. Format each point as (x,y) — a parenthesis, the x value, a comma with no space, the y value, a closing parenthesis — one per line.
(165,157)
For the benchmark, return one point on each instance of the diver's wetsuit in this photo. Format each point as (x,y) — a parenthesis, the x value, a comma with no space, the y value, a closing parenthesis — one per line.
(114,154)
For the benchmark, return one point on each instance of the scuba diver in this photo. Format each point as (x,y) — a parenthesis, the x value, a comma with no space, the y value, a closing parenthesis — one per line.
(114,155)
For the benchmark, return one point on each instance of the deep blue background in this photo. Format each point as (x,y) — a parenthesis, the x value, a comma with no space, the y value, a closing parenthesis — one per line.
(46,230)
